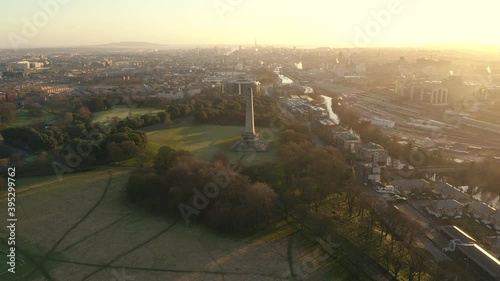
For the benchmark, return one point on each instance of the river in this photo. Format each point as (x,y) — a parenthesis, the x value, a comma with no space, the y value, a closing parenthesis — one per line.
(333,116)
(328,100)
(285,80)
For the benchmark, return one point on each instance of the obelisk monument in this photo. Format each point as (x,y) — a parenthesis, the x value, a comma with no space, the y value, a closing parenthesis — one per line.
(250,141)
(249,133)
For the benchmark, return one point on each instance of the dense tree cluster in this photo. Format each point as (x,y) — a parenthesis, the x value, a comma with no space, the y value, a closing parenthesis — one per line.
(154,102)
(75,133)
(7,112)
(35,140)
(319,190)
(105,144)
(210,106)
(202,191)
(484,176)
(230,110)
(265,75)
(180,110)
(96,103)
(76,123)
(34,109)
(143,120)
(316,172)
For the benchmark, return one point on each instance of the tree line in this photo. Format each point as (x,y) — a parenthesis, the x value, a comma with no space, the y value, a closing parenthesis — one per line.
(77,136)
(376,229)
(231,110)
(207,192)
(317,186)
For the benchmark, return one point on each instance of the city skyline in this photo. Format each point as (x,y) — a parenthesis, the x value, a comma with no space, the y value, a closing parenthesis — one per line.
(381,23)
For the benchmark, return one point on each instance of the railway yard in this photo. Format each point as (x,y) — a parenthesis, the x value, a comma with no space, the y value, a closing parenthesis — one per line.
(424,125)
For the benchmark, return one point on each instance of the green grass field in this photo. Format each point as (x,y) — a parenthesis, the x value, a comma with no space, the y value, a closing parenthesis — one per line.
(94,226)
(203,141)
(3,263)
(23,118)
(122,111)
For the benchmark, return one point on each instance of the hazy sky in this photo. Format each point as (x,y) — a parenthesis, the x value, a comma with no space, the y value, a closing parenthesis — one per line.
(215,22)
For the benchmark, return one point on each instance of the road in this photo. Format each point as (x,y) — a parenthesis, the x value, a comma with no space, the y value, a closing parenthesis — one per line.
(429,228)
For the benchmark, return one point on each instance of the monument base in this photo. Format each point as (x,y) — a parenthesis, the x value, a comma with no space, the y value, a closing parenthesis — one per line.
(250,145)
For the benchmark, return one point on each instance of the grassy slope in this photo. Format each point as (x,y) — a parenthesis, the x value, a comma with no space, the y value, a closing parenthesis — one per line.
(23,118)
(122,111)
(107,233)
(204,141)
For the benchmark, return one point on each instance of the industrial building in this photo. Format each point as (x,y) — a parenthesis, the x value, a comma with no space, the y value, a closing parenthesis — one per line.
(24,65)
(476,259)
(432,92)
(237,87)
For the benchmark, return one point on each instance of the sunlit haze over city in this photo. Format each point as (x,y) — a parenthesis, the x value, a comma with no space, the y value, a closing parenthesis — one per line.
(294,23)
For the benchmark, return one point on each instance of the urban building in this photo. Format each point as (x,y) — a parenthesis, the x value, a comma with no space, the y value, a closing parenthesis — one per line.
(431,92)
(480,211)
(459,89)
(382,122)
(324,125)
(237,87)
(494,218)
(24,65)
(409,186)
(447,191)
(445,208)
(382,188)
(372,153)
(369,171)
(36,65)
(336,132)
(349,142)
(18,66)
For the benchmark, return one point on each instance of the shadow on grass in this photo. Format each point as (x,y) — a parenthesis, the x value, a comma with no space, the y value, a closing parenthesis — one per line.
(204,141)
